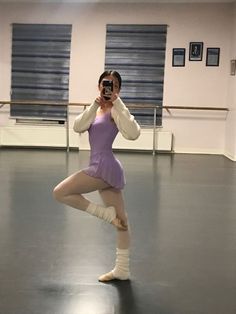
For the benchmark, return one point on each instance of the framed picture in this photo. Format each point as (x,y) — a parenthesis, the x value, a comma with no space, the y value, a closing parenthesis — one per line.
(178,57)
(213,57)
(232,67)
(195,51)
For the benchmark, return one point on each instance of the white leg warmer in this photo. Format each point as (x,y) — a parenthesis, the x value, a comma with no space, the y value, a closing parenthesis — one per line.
(106,213)
(121,270)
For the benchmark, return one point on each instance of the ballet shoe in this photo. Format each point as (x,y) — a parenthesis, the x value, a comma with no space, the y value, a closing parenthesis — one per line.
(110,276)
(119,224)
(106,277)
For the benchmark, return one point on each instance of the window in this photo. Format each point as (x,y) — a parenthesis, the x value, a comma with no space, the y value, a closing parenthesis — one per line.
(137,52)
(40,69)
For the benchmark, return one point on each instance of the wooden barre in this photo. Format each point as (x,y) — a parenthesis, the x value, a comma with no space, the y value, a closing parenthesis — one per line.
(195,108)
(132,106)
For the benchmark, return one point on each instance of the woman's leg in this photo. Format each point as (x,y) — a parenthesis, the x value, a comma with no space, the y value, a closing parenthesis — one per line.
(70,191)
(114,197)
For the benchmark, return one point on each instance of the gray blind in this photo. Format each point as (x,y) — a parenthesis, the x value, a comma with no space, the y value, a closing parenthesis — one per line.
(137,52)
(40,68)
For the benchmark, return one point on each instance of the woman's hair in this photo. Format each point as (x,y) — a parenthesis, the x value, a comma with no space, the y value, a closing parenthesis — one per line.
(108,73)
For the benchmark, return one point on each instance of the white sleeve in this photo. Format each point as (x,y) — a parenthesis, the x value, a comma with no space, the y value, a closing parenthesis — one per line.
(126,123)
(83,121)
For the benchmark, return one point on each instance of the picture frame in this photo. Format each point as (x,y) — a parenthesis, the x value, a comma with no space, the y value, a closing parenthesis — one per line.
(213,57)
(233,67)
(195,51)
(178,57)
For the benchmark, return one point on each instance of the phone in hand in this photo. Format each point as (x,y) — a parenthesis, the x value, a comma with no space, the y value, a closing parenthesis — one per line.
(107,89)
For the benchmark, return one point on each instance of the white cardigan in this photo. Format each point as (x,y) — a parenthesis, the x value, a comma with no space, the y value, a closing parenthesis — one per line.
(125,122)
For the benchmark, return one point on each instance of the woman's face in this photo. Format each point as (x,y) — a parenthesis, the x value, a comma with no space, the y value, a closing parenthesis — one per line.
(116,88)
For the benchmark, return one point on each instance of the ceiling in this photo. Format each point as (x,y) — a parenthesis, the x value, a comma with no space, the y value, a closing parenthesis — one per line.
(117,1)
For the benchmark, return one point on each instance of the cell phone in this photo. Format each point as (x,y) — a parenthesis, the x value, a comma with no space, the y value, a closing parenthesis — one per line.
(107,89)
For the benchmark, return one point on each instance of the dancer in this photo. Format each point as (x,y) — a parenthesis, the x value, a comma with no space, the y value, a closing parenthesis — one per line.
(103,119)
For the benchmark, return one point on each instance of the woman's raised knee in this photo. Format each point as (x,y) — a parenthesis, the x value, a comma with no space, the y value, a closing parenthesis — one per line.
(58,193)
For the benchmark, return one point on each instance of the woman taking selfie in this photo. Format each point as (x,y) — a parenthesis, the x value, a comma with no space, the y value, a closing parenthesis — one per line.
(103,119)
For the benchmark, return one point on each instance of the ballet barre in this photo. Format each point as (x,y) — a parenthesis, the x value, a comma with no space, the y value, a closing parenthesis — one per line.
(130,106)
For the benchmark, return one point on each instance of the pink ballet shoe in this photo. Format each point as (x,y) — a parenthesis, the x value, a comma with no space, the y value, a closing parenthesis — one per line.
(106,277)
(110,276)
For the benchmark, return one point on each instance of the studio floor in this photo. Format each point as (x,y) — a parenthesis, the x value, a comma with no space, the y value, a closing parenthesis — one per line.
(182,211)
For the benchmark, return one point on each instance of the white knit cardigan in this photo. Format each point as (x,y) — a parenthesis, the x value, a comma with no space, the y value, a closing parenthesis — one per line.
(124,121)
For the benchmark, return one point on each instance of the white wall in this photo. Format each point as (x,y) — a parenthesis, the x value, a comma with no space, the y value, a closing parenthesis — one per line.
(230,135)
(193,85)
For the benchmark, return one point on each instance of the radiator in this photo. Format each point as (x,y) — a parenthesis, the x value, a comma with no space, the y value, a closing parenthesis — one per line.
(163,141)
(26,135)
(144,142)
(55,136)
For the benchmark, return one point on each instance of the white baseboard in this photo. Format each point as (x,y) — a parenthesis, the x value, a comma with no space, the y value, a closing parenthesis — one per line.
(233,158)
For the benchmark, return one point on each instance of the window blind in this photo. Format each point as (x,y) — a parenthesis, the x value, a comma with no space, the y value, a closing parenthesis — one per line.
(40,68)
(137,52)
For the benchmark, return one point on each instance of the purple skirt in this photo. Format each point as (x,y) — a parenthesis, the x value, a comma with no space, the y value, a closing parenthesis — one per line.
(106,167)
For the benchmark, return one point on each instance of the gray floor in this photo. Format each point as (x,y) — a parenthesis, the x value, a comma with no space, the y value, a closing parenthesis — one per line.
(183,217)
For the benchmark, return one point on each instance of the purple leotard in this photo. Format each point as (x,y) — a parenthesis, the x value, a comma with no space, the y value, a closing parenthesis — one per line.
(103,163)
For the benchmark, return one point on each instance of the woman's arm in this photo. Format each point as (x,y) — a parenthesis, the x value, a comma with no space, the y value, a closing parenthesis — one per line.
(125,122)
(84,120)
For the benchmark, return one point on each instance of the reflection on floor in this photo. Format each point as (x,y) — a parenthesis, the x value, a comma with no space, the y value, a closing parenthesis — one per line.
(183,218)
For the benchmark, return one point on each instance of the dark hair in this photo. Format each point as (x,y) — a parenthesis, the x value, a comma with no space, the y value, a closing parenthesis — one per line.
(108,73)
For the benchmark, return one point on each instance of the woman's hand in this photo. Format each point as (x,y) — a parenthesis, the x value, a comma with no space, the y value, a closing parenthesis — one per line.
(114,96)
(100,100)
(103,102)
